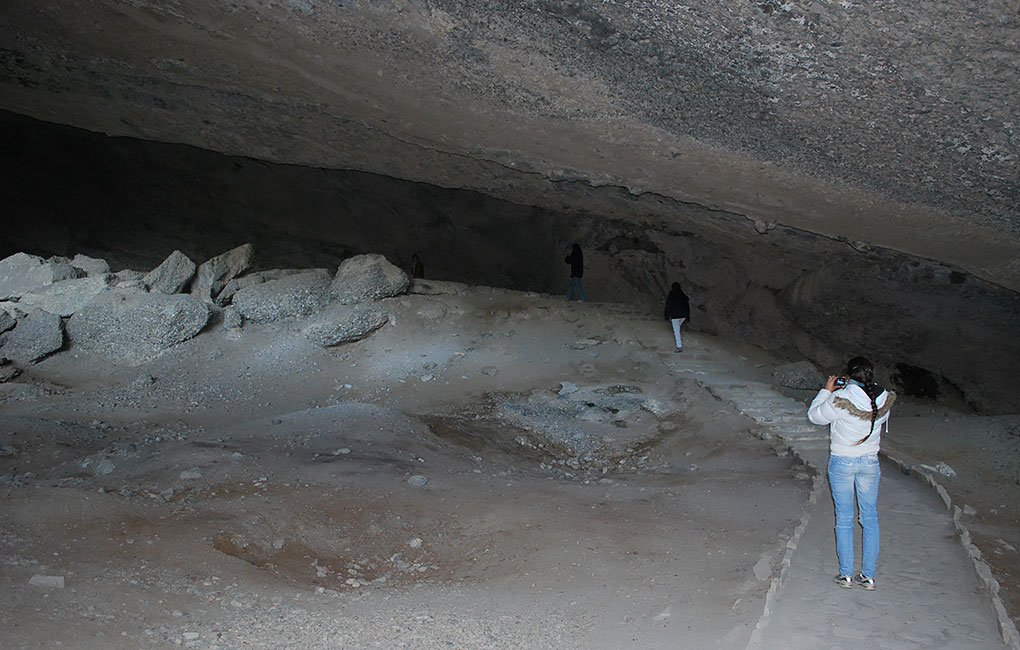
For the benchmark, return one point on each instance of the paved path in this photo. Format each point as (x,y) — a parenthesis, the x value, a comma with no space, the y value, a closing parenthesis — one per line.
(929,595)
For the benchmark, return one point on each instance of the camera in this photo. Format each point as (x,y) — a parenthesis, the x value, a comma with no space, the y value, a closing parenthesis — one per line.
(841,382)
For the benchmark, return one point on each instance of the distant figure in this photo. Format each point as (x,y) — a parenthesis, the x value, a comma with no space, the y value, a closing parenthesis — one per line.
(575,258)
(856,409)
(417,268)
(678,310)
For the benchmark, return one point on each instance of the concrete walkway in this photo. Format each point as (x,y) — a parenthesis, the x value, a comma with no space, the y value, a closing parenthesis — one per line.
(930,594)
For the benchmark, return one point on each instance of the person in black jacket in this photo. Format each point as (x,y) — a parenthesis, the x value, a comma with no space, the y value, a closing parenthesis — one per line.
(678,310)
(575,258)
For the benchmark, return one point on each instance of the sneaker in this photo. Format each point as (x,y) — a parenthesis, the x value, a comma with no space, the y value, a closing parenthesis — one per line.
(865,581)
(679,349)
(845,581)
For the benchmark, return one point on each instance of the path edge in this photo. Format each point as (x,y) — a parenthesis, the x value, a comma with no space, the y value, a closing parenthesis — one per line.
(779,581)
(1007,629)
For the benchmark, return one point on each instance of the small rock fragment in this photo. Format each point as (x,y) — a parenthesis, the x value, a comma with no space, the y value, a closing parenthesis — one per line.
(56,582)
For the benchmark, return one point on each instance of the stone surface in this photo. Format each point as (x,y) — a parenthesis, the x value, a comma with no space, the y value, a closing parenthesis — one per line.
(801,375)
(8,371)
(214,274)
(21,273)
(56,582)
(367,277)
(37,335)
(172,275)
(232,318)
(251,279)
(344,323)
(726,105)
(90,265)
(133,327)
(291,296)
(7,322)
(67,296)
(436,287)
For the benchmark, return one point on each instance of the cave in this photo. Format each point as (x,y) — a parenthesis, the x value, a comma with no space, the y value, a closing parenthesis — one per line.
(825,179)
(821,195)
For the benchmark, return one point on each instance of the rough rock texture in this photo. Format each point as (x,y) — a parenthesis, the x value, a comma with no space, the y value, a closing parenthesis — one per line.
(367,277)
(21,273)
(214,274)
(344,323)
(133,327)
(67,296)
(7,322)
(801,375)
(37,335)
(8,371)
(291,296)
(232,318)
(251,279)
(888,123)
(172,275)
(90,265)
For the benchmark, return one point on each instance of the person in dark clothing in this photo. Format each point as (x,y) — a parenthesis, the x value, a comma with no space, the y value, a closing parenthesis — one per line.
(575,258)
(417,268)
(678,310)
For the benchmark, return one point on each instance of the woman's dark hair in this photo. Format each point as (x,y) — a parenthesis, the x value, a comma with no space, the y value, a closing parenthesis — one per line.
(676,286)
(860,370)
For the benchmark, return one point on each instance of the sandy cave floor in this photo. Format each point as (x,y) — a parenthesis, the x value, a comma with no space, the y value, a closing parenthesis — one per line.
(435,485)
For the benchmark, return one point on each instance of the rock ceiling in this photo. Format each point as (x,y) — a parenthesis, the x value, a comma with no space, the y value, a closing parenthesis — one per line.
(885,124)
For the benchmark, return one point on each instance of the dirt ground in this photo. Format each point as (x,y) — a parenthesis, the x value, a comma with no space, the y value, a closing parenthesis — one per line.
(491,469)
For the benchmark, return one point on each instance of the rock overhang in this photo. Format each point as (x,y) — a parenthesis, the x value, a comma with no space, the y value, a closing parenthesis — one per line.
(887,126)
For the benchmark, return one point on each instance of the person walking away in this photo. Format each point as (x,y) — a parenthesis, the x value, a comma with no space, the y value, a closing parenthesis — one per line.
(856,409)
(575,258)
(678,310)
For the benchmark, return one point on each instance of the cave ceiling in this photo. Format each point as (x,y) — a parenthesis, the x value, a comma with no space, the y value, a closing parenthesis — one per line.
(885,124)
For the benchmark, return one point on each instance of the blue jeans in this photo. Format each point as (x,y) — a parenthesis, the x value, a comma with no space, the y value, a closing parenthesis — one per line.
(575,282)
(847,474)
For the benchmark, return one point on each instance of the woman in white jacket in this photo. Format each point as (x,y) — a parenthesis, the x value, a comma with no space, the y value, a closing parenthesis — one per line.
(856,409)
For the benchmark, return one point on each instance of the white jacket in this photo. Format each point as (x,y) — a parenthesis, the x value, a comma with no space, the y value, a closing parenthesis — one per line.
(847,411)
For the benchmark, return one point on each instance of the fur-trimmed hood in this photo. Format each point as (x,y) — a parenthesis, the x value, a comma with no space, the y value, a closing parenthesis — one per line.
(847,411)
(851,406)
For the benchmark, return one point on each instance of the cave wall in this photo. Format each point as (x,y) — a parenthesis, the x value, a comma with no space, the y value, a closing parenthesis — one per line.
(798,294)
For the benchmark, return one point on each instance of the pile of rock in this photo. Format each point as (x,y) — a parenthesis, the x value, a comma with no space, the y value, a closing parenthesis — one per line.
(47,305)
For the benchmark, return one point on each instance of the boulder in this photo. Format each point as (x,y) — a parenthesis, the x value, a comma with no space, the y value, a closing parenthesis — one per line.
(90,265)
(37,335)
(21,273)
(128,279)
(291,296)
(801,375)
(172,275)
(224,297)
(214,274)
(367,277)
(344,323)
(67,296)
(133,326)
